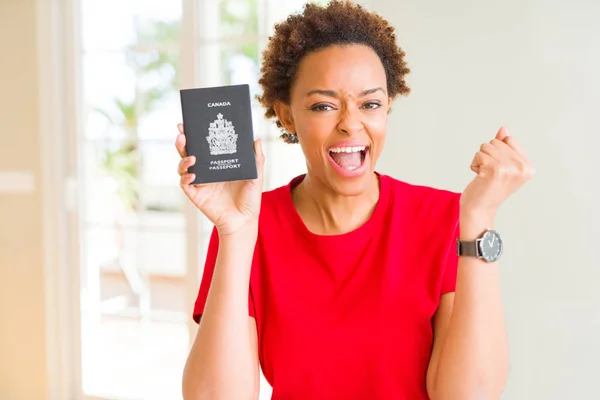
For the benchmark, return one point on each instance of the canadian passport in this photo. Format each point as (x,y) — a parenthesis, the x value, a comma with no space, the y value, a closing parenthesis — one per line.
(217,123)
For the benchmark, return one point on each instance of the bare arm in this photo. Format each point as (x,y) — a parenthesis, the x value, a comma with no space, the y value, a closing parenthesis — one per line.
(470,357)
(223,361)
(470,354)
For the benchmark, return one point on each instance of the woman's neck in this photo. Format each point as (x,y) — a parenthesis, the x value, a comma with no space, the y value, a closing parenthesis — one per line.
(326,212)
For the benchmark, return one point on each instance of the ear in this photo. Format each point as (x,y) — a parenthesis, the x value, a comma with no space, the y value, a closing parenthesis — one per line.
(284,114)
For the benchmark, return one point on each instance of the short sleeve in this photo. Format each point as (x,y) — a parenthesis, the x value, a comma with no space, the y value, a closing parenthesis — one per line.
(450,266)
(207,274)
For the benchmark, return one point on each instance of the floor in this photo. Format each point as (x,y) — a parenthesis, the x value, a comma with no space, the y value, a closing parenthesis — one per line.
(125,358)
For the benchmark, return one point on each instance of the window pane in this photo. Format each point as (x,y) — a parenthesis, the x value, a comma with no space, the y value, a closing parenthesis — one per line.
(160,122)
(135,333)
(110,179)
(239,18)
(109,91)
(97,15)
(240,64)
(159,180)
(121,22)
(157,24)
(132,94)
(229,64)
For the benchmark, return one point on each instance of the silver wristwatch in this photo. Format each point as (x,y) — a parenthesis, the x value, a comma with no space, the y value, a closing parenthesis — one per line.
(487,247)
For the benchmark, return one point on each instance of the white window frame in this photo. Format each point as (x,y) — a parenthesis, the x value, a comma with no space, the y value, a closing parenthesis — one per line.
(57,65)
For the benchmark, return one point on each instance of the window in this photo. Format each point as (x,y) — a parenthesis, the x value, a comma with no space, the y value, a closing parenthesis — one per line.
(134,332)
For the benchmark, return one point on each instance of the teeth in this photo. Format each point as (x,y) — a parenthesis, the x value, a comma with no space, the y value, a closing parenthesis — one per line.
(352,149)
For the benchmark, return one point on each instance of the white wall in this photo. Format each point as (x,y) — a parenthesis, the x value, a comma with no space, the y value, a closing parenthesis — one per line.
(534,66)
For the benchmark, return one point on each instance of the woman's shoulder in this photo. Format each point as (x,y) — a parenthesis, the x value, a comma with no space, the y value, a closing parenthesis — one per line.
(434,210)
(422,195)
(418,188)
(280,193)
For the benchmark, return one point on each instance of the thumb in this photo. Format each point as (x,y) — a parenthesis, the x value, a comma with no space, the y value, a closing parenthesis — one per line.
(260,158)
(502,133)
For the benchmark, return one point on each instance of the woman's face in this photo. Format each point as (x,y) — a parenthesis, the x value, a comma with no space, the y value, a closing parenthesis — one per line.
(338,108)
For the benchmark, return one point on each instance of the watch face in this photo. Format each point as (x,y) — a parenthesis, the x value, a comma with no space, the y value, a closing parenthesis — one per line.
(491,246)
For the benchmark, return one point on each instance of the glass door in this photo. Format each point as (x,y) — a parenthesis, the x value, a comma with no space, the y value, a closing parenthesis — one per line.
(135,320)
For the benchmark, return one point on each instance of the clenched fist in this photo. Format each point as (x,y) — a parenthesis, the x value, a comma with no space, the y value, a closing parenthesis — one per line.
(502,167)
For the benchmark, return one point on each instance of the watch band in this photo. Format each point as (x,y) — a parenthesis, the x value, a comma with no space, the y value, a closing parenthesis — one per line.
(469,249)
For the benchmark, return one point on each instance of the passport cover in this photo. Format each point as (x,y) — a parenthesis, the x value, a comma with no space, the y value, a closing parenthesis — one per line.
(217,124)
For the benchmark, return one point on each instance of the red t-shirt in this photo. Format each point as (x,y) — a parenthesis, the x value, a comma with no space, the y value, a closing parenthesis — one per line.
(349,316)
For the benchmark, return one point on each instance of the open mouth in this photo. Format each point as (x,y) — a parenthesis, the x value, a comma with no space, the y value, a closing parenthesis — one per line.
(349,158)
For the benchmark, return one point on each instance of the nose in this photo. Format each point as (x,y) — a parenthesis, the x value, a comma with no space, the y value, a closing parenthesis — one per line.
(350,122)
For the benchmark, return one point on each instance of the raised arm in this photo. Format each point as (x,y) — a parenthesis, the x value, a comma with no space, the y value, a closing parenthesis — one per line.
(223,361)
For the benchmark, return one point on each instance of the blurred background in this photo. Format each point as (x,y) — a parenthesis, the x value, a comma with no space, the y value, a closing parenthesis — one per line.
(101,254)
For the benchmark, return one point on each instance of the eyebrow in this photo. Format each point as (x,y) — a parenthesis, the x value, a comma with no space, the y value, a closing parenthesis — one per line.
(331,93)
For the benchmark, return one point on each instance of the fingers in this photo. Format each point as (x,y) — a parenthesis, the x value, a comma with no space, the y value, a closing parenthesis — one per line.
(509,147)
(504,137)
(180,141)
(502,133)
(501,150)
(185,183)
(186,180)
(502,158)
(260,157)
(516,147)
(494,149)
(480,160)
(185,164)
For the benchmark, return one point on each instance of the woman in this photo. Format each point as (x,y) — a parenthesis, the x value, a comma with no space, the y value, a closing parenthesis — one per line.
(356,290)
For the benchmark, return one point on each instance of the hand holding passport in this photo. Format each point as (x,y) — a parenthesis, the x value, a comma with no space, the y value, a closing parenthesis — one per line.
(221,165)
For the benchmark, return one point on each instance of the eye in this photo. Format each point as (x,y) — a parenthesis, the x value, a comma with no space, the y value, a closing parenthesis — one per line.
(372,105)
(321,107)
